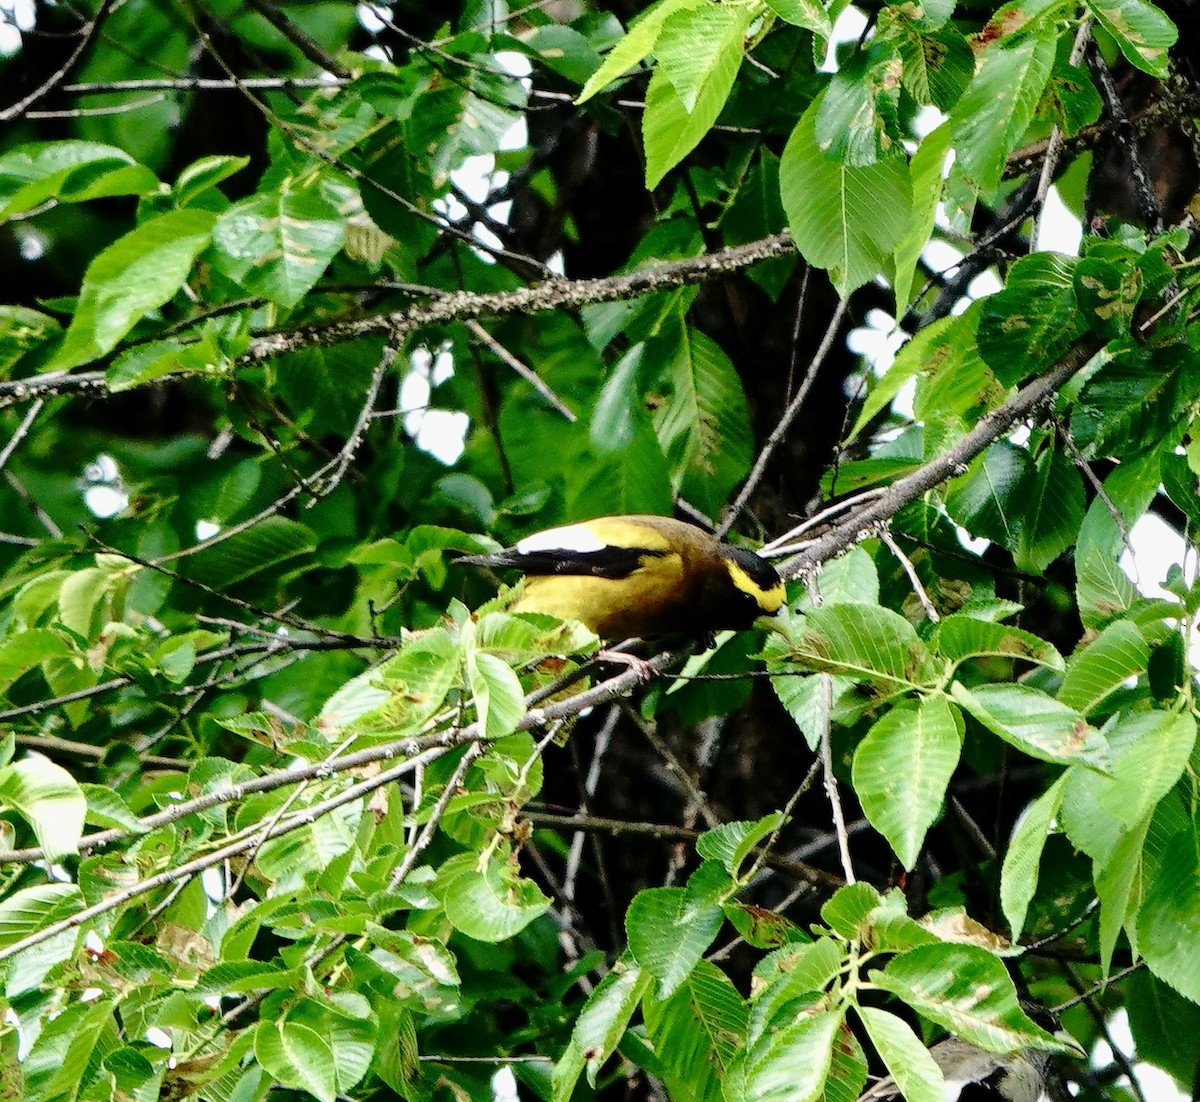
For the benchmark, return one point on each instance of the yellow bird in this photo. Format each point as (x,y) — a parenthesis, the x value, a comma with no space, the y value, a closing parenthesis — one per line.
(644,576)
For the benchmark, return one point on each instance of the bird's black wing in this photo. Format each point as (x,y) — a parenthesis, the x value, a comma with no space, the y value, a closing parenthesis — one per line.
(608,562)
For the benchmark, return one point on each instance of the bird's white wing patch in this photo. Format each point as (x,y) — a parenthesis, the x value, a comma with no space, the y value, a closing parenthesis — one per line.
(570,537)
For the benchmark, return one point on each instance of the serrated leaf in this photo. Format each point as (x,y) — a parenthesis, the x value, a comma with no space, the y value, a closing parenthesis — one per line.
(858,120)
(496,690)
(1142,31)
(490,905)
(901,770)
(1052,512)
(1168,927)
(917,1075)
(845,220)
(668,931)
(136,273)
(28,910)
(637,42)
(1026,327)
(697,1032)
(278,244)
(1102,589)
(669,130)
(1127,404)
(49,799)
(792,1064)
(998,105)
(1019,874)
(267,544)
(1034,723)
(692,45)
(1118,653)
(847,909)
(865,642)
(959,637)
(925,168)
(967,990)
(703,422)
(600,1026)
(803,13)
(730,843)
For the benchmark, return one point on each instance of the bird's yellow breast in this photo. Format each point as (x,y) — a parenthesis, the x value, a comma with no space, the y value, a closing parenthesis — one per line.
(647,602)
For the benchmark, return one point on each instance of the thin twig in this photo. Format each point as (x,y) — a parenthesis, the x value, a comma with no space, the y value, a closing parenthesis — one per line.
(785,422)
(885,537)
(86,33)
(524,370)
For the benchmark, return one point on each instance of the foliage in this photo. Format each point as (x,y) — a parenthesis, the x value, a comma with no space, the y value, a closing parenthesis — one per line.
(280,810)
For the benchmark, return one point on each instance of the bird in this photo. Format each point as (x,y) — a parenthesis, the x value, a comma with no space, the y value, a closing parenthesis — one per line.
(975,1075)
(640,576)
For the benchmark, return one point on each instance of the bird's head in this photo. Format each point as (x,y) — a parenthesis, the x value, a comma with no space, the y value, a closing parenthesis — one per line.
(758,586)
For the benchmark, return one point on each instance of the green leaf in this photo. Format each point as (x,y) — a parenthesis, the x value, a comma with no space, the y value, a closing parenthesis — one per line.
(204,174)
(858,120)
(694,45)
(669,130)
(27,649)
(267,544)
(67,172)
(1026,327)
(1142,31)
(278,244)
(1096,670)
(937,66)
(1169,924)
(916,1073)
(790,1065)
(1119,889)
(731,843)
(136,273)
(966,989)
(803,13)
(315,1049)
(600,1026)
(1127,404)
(669,930)
(703,423)
(47,796)
(1102,589)
(635,45)
(154,359)
(1051,514)
(697,1032)
(866,642)
(925,168)
(28,910)
(960,636)
(847,909)
(1019,874)
(996,109)
(1149,751)
(902,768)
(1164,1025)
(848,1068)
(1036,724)
(492,905)
(846,220)
(21,330)
(497,693)
(65,1048)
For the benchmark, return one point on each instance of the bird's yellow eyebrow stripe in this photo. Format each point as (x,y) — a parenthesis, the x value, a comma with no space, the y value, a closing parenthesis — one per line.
(769,600)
